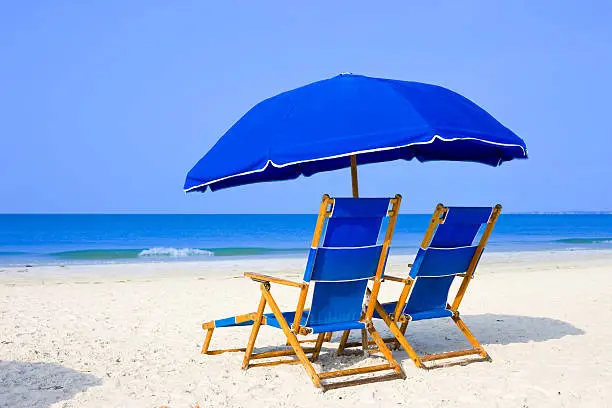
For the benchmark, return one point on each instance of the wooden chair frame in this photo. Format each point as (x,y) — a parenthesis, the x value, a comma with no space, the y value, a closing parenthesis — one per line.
(397,317)
(292,329)
(210,327)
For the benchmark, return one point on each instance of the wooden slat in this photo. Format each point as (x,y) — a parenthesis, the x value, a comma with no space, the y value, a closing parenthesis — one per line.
(360,381)
(231,350)
(460,362)
(258,277)
(275,362)
(353,371)
(450,354)
(279,353)
(352,344)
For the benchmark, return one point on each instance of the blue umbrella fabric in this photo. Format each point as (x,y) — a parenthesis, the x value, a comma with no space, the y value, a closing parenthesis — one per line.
(317,127)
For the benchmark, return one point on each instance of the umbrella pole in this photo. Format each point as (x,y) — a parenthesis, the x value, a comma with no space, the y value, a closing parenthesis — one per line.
(364,334)
(354,176)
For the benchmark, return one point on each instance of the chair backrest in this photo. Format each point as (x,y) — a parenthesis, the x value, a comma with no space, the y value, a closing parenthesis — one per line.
(448,250)
(345,254)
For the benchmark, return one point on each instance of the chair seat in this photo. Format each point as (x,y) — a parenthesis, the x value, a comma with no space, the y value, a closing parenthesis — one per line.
(271,320)
(421,315)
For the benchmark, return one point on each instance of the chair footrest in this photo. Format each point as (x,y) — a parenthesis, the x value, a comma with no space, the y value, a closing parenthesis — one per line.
(353,371)
(450,354)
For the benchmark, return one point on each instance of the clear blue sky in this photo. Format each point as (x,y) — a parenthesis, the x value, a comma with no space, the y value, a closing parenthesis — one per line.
(105,105)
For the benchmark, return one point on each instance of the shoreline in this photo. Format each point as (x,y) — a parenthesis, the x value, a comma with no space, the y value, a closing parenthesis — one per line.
(34,260)
(291,266)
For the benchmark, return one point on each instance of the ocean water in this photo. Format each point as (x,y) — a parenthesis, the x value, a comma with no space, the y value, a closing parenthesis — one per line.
(65,239)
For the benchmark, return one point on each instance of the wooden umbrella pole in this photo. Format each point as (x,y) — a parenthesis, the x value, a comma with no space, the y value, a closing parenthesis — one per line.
(364,333)
(354,176)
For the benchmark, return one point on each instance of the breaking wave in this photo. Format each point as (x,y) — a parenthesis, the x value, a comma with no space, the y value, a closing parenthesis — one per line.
(175,252)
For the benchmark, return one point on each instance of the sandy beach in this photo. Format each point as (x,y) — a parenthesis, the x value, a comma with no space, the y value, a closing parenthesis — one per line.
(130,336)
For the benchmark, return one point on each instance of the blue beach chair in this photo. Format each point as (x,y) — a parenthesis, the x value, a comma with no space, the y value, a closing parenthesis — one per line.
(447,252)
(344,256)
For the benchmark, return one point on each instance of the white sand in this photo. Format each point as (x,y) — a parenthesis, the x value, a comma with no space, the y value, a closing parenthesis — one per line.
(130,336)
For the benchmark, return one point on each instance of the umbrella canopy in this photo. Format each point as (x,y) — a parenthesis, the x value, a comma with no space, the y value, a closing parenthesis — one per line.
(328,124)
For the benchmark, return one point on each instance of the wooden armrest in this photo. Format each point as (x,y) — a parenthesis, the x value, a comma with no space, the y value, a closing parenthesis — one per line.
(395,279)
(410,265)
(258,277)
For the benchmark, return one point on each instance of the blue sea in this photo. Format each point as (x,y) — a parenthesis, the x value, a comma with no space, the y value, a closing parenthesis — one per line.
(85,239)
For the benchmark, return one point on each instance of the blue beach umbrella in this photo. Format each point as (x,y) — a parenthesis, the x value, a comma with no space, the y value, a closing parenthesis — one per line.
(349,120)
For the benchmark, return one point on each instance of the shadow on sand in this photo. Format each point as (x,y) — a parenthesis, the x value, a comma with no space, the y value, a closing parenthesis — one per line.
(428,336)
(442,335)
(25,384)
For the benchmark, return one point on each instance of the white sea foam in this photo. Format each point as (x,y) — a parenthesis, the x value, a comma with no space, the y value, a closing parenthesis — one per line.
(175,252)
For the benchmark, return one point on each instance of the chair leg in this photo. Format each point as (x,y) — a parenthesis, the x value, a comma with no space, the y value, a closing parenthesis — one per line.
(293,341)
(328,337)
(406,346)
(343,340)
(385,350)
(403,327)
(399,336)
(207,340)
(364,341)
(254,331)
(470,337)
(317,348)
